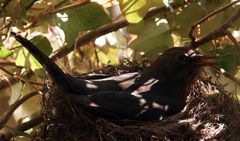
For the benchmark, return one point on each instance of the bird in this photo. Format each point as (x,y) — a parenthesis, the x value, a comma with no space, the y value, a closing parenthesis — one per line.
(152,94)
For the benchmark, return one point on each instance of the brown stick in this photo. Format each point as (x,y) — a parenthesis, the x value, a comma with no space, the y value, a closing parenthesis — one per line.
(6,116)
(87,37)
(220,32)
(207,17)
(22,127)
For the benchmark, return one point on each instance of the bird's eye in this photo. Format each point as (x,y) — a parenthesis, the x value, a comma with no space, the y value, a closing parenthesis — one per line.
(181,58)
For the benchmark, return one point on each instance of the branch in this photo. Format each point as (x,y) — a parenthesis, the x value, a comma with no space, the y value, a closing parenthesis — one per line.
(207,17)
(220,32)
(7,81)
(69,7)
(227,75)
(87,37)
(6,116)
(234,41)
(30,4)
(22,127)
(7,63)
(5,3)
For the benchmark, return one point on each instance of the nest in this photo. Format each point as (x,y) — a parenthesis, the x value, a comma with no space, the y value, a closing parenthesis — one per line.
(210,113)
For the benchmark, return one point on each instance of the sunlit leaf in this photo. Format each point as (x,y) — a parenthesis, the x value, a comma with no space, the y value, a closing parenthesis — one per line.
(112,54)
(25,59)
(4,53)
(83,18)
(135,10)
(103,58)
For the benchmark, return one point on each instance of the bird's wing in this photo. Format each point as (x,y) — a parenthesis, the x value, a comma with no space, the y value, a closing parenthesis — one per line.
(122,103)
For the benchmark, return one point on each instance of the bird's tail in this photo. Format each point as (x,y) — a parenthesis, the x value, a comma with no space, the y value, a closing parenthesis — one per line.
(56,74)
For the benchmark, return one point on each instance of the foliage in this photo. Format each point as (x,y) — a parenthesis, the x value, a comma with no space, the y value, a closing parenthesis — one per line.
(132,29)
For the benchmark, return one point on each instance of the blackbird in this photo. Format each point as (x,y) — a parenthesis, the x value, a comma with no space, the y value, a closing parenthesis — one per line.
(151,94)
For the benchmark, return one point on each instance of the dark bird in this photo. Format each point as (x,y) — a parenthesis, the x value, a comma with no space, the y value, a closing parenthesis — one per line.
(156,92)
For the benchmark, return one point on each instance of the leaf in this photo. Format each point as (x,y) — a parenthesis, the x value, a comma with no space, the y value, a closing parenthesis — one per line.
(19,12)
(184,20)
(25,3)
(216,21)
(25,59)
(154,37)
(135,10)
(145,25)
(229,58)
(111,53)
(180,1)
(4,53)
(211,5)
(17,91)
(83,18)
(102,58)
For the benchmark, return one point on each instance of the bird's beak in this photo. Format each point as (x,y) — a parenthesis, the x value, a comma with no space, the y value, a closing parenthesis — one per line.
(206,60)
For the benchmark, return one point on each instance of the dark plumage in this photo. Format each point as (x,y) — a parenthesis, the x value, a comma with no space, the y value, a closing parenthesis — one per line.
(151,94)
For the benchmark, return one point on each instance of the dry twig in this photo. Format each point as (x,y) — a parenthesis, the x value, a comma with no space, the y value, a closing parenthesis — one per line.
(193,39)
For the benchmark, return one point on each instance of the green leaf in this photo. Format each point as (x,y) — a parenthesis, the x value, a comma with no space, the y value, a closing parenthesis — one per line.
(16,8)
(135,10)
(4,53)
(42,44)
(180,1)
(145,25)
(153,38)
(25,3)
(211,5)
(111,54)
(25,59)
(184,20)
(216,21)
(153,44)
(87,17)
(229,58)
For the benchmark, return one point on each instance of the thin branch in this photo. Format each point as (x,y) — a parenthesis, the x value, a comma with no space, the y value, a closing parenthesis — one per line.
(7,63)
(234,41)
(227,75)
(6,71)
(60,3)
(30,4)
(18,77)
(220,32)
(207,17)
(5,3)
(54,11)
(7,81)
(69,7)
(7,135)
(6,116)
(89,36)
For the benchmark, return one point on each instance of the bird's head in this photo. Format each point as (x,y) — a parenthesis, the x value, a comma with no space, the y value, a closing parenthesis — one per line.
(181,63)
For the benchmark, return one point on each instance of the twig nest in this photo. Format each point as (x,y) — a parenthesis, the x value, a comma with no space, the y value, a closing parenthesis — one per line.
(210,113)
